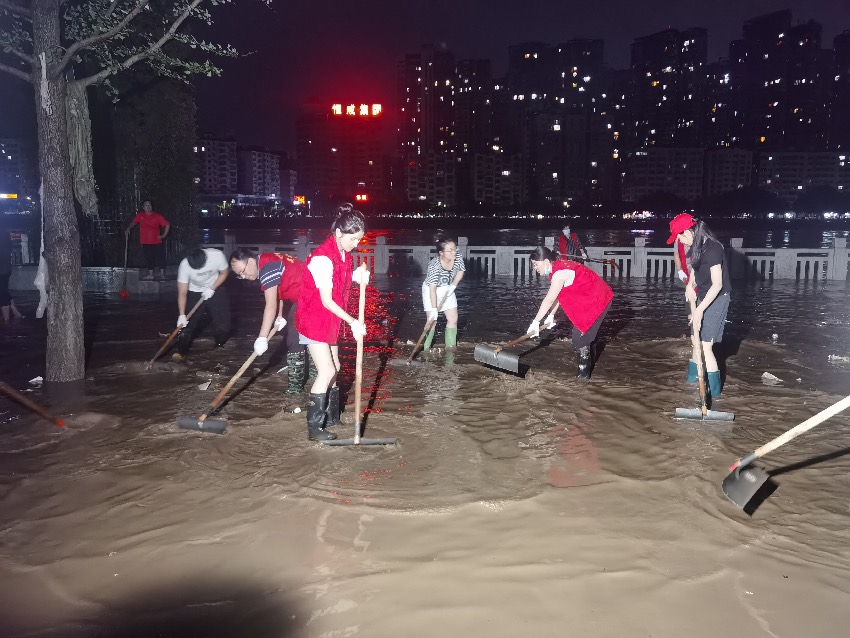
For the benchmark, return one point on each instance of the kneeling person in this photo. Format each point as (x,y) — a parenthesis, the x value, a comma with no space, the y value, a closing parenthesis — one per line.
(200,276)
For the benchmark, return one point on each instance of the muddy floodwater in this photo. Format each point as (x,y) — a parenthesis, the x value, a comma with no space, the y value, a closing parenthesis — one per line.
(512,505)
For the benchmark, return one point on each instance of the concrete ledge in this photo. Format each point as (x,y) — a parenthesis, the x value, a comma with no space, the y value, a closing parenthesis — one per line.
(98,279)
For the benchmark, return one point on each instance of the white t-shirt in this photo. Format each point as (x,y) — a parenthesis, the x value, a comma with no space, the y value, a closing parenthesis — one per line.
(205,276)
(322,269)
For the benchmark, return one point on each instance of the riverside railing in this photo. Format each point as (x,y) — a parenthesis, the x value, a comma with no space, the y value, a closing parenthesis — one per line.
(638,261)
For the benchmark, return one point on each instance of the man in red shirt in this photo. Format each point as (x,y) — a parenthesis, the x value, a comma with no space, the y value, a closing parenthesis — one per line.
(150,238)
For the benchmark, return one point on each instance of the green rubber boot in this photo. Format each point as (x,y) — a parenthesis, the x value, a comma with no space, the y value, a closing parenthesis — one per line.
(693,375)
(451,338)
(296,367)
(714,386)
(429,340)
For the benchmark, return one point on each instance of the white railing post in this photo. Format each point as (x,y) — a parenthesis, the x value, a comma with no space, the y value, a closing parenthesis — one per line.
(301,248)
(382,256)
(738,262)
(463,247)
(838,265)
(639,265)
(229,244)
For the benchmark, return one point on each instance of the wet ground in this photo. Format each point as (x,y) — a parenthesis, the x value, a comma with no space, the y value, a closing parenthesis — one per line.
(531,505)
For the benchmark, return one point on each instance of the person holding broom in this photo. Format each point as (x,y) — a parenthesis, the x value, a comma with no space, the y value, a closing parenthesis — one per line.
(445,272)
(322,305)
(584,296)
(201,275)
(708,287)
(280,278)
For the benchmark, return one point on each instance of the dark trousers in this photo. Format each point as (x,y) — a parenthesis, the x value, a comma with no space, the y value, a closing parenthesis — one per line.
(581,340)
(216,309)
(154,255)
(6,298)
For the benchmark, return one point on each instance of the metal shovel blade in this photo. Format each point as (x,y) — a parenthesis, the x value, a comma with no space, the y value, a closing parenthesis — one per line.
(710,415)
(493,356)
(742,484)
(215,426)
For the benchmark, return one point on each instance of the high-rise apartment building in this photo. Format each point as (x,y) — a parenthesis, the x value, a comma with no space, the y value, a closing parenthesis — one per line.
(839,125)
(216,166)
(663,170)
(259,173)
(790,173)
(472,121)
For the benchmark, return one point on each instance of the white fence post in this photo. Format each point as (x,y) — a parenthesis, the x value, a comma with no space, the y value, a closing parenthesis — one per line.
(382,256)
(838,267)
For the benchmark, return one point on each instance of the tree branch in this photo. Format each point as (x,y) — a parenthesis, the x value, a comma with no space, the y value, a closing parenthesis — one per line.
(20,54)
(112,8)
(17,9)
(126,64)
(16,72)
(100,37)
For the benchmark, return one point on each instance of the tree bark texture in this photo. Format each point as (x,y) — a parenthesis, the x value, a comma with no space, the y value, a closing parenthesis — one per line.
(65,345)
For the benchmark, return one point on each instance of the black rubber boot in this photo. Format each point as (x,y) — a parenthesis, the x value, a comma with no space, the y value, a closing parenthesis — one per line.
(316,418)
(296,367)
(585,362)
(333,407)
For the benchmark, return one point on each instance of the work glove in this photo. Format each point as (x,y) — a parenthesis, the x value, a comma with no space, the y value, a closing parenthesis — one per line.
(358,328)
(261,344)
(533,329)
(550,321)
(432,314)
(279,324)
(182,322)
(207,293)
(682,275)
(360,275)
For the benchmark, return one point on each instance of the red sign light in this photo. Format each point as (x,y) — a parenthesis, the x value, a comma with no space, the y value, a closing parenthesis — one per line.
(362,197)
(357,110)
(300,200)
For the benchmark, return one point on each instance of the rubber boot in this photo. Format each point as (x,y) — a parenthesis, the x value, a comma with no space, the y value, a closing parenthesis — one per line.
(316,418)
(296,367)
(693,375)
(429,340)
(714,386)
(451,338)
(333,407)
(584,362)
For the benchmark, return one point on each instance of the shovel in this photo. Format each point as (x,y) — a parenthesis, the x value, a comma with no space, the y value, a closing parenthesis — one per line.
(429,325)
(497,357)
(702,412)
(32,405)
(358,383)
(743,482)
(124,293)
(172,335)
(217,426)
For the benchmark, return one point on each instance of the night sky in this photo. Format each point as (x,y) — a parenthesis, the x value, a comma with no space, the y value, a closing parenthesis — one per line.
(334,50)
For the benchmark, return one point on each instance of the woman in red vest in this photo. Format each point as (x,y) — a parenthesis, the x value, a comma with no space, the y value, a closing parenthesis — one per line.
(280,278)
(322,309)
(583,295)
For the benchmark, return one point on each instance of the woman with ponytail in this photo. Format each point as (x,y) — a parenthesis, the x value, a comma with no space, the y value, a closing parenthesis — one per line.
(584,296)
(444,274)
(322,305)
(708,287)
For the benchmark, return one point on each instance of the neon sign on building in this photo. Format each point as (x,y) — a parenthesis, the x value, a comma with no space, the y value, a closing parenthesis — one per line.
(357,110)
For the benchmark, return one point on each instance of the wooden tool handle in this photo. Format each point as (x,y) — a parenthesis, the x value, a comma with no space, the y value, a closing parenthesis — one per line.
(552,309)
(796,431)
(233,379)
(700,371)
(173,334)
(358,370)
(428,325)
(5,387)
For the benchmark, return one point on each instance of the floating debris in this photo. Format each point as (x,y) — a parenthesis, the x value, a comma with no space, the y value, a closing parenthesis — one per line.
(205,386)
(770,379)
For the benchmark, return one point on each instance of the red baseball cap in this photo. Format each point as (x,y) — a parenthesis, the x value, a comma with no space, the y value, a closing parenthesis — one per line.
(679,224)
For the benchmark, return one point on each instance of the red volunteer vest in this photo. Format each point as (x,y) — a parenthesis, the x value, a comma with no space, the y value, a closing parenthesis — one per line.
(312,319)
(290,280)
(586,298)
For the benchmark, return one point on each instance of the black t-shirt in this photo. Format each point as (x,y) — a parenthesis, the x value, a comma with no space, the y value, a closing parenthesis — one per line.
(712,255)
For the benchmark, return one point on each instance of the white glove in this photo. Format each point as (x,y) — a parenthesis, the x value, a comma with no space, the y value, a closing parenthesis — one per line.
(261,344)
(533,329)
(682,275)
(279,324)
(182,322)
(360,275)
(432,314)
(207,293)
(550,321)
(358,329)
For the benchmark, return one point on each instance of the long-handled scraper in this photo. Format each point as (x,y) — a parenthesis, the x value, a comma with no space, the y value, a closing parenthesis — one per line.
(358,383)
(174,333)
(743,482)
(497,357)
(702,412)
(217,426)
(429,326)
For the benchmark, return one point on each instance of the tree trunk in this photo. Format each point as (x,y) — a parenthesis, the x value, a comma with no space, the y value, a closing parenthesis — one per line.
(65,346)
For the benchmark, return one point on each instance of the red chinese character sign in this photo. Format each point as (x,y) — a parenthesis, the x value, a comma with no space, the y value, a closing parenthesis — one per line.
(357,110)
